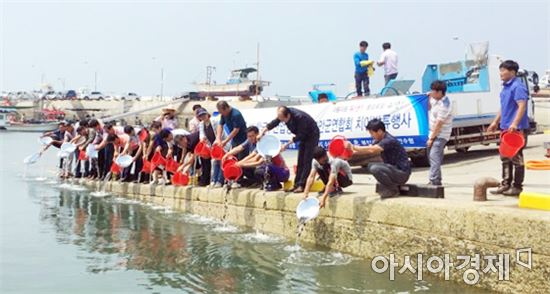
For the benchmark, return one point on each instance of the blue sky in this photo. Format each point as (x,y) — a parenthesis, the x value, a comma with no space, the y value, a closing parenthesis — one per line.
(302,43)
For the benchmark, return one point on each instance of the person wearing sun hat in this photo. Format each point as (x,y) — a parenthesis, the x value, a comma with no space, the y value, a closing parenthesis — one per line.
(168,118)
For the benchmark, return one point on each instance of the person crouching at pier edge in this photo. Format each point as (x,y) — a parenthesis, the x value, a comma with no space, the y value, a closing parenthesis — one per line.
(306,132)
(249,177)
(396,168)
(334,172)
(441,120)
(277,170)
(512,117)
(133,148)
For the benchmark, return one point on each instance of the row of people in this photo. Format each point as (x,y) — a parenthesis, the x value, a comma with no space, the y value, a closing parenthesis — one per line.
(232,133)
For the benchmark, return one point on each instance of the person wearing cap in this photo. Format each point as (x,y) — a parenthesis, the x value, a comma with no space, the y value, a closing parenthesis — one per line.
(207,133)
(168,118)
(306,132)
(207,128)
(194,122)
(188,143)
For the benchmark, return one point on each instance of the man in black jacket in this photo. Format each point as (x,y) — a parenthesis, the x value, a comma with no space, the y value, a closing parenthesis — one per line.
(305,131)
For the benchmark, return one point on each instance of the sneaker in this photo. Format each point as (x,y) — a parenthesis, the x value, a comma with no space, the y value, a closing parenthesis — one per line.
(218,185)
(512,192)
(500,190)
(235,186)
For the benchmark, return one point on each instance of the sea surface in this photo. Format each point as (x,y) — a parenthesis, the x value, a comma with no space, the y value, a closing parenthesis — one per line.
(58,238)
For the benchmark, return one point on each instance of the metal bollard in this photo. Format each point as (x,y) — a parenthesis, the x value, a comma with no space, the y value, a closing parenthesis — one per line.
(481,185)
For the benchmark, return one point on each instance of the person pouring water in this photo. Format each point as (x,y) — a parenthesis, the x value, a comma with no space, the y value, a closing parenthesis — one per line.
(306,132)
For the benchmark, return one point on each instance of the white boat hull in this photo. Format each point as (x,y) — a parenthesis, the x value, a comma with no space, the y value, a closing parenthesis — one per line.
(34,128)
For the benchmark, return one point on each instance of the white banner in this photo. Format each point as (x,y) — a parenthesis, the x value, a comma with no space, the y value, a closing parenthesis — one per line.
(405,118)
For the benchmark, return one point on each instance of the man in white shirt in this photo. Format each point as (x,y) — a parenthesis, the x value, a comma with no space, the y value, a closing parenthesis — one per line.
(388,59)
(441,123)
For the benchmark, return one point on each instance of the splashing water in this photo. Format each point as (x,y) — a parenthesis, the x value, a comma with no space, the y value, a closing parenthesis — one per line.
(300,228)
(316,258)
(225,228)
(259,237)
(101,191)
(105,180)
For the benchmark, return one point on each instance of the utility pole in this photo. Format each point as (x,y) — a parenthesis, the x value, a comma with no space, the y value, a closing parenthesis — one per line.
(95,81)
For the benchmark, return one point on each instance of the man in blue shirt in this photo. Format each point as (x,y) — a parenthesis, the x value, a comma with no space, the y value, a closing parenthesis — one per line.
(512,117)
(361,73)
(235,123)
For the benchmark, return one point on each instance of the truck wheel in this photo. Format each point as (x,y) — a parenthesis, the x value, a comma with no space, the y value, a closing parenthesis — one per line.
(463,149)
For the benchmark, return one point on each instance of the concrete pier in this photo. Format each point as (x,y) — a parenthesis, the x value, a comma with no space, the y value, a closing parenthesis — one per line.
(365,226)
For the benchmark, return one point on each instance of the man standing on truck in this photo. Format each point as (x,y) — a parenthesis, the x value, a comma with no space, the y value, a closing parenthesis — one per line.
(512,117)
(361,72)
(441,120)
(388,59)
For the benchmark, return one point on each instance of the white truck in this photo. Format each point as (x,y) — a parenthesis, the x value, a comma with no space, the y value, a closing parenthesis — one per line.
(474,89)
(473,86)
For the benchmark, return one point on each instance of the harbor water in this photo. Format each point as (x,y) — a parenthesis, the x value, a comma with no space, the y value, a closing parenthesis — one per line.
(57,237)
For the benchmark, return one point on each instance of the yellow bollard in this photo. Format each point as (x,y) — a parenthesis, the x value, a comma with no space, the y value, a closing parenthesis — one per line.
(534,201)
(316,187)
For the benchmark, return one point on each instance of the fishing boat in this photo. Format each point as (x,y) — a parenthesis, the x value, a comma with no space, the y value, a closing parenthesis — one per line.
(239,84)
(9,122)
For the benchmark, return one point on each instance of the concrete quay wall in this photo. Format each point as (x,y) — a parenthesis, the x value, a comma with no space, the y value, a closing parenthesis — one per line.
(366,226)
